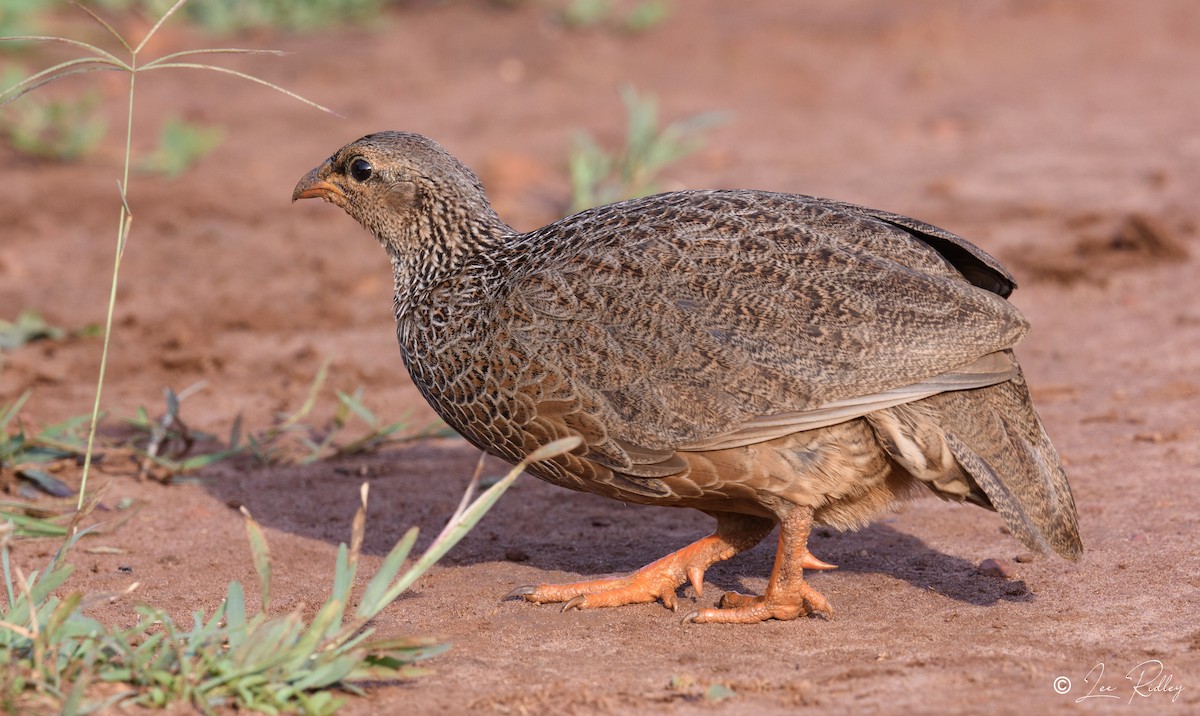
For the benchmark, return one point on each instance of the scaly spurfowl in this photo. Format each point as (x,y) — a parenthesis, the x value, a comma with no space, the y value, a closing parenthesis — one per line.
(766,358)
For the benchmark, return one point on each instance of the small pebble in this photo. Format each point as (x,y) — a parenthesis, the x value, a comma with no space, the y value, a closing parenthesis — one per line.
(998,568)
(1025,557)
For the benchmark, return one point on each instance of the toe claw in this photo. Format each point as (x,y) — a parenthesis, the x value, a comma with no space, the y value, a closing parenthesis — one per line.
(809,561)
(578,601)
(520,592)
(690,617)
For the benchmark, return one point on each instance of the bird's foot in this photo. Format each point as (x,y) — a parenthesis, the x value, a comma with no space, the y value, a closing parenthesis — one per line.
(737,608)
(788,595)
(643,586)
(658,580)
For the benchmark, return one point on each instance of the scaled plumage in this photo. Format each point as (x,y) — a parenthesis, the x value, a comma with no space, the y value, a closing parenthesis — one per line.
(766,358)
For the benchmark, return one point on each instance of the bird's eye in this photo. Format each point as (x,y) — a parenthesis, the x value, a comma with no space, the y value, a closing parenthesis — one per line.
(360,169)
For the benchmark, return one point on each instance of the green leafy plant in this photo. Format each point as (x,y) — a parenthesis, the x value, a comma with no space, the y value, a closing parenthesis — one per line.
(291,439)
(222,16)
(30,326)
(54,655)
(59,129)
(19,16)
(692,690)
(228,16)
(641,16)
(600,176)
(180,145)
(167,447)
(25,457)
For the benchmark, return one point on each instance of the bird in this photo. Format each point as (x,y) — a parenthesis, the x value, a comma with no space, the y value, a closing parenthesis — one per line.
(773,360)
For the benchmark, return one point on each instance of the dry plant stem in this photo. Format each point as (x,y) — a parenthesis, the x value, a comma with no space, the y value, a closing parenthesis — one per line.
(123,223)
(100,59)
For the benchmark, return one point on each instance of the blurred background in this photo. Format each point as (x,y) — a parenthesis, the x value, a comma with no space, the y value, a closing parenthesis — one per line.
(1059,135)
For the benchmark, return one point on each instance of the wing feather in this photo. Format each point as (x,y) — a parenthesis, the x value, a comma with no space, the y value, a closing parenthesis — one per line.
(720,319)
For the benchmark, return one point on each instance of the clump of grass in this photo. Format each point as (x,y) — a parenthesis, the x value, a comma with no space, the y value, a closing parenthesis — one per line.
(180,145)
(56,657)
(166,446)
(25,456)
(228,16)
(600,176)
(18,17)
(292,440)
(692,690)
(222,16)
(29,326)
(641,16)
(57,129)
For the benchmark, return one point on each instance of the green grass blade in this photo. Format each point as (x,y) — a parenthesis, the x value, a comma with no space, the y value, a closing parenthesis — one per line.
(65,609)
(358,528)
(8,412)
(235,615)
(26,526)
(375,597)
(327,620)
(310,400)
(165,16)
(243,75)
(169,58)
(354,403)
(471,516)
(48,483)
(5,531)
(261,554)
(98,52)
(104,23)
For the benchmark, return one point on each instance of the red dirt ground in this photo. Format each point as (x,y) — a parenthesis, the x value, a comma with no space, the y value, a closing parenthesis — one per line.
(1036,128)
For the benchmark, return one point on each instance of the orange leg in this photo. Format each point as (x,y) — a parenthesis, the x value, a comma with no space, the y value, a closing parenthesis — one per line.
(657,580)
(788,595)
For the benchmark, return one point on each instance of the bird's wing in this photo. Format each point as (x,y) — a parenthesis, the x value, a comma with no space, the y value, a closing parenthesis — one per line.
(722,318)
(991,369)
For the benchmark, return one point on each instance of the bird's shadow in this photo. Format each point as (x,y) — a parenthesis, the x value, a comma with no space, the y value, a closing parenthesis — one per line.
(881,549)
(545,527)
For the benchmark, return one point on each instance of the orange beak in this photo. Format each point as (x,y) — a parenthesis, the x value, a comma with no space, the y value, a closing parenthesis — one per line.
(312,186)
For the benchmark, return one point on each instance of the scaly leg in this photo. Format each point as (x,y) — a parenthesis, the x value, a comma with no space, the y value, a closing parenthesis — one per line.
(788,595)
(658,580)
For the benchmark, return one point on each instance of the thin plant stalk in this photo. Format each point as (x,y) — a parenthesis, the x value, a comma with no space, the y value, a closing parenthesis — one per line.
(124,221)
(102,60)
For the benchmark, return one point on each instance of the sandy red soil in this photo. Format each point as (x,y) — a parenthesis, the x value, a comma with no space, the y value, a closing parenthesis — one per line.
(1036,128)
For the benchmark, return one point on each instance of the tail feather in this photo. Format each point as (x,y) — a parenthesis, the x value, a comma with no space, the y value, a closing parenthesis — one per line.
(996,437)
(987,446)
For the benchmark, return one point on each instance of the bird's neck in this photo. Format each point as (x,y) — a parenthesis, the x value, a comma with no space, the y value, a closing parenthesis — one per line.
(448,256)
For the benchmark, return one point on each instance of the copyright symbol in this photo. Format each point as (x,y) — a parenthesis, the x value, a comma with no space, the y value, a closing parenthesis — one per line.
(1062,685)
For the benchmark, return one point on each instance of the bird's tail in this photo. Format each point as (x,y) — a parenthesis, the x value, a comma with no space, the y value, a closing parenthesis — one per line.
(987,446)
(996,437)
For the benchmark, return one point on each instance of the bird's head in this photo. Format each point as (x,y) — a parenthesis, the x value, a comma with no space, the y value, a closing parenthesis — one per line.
(416,198)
